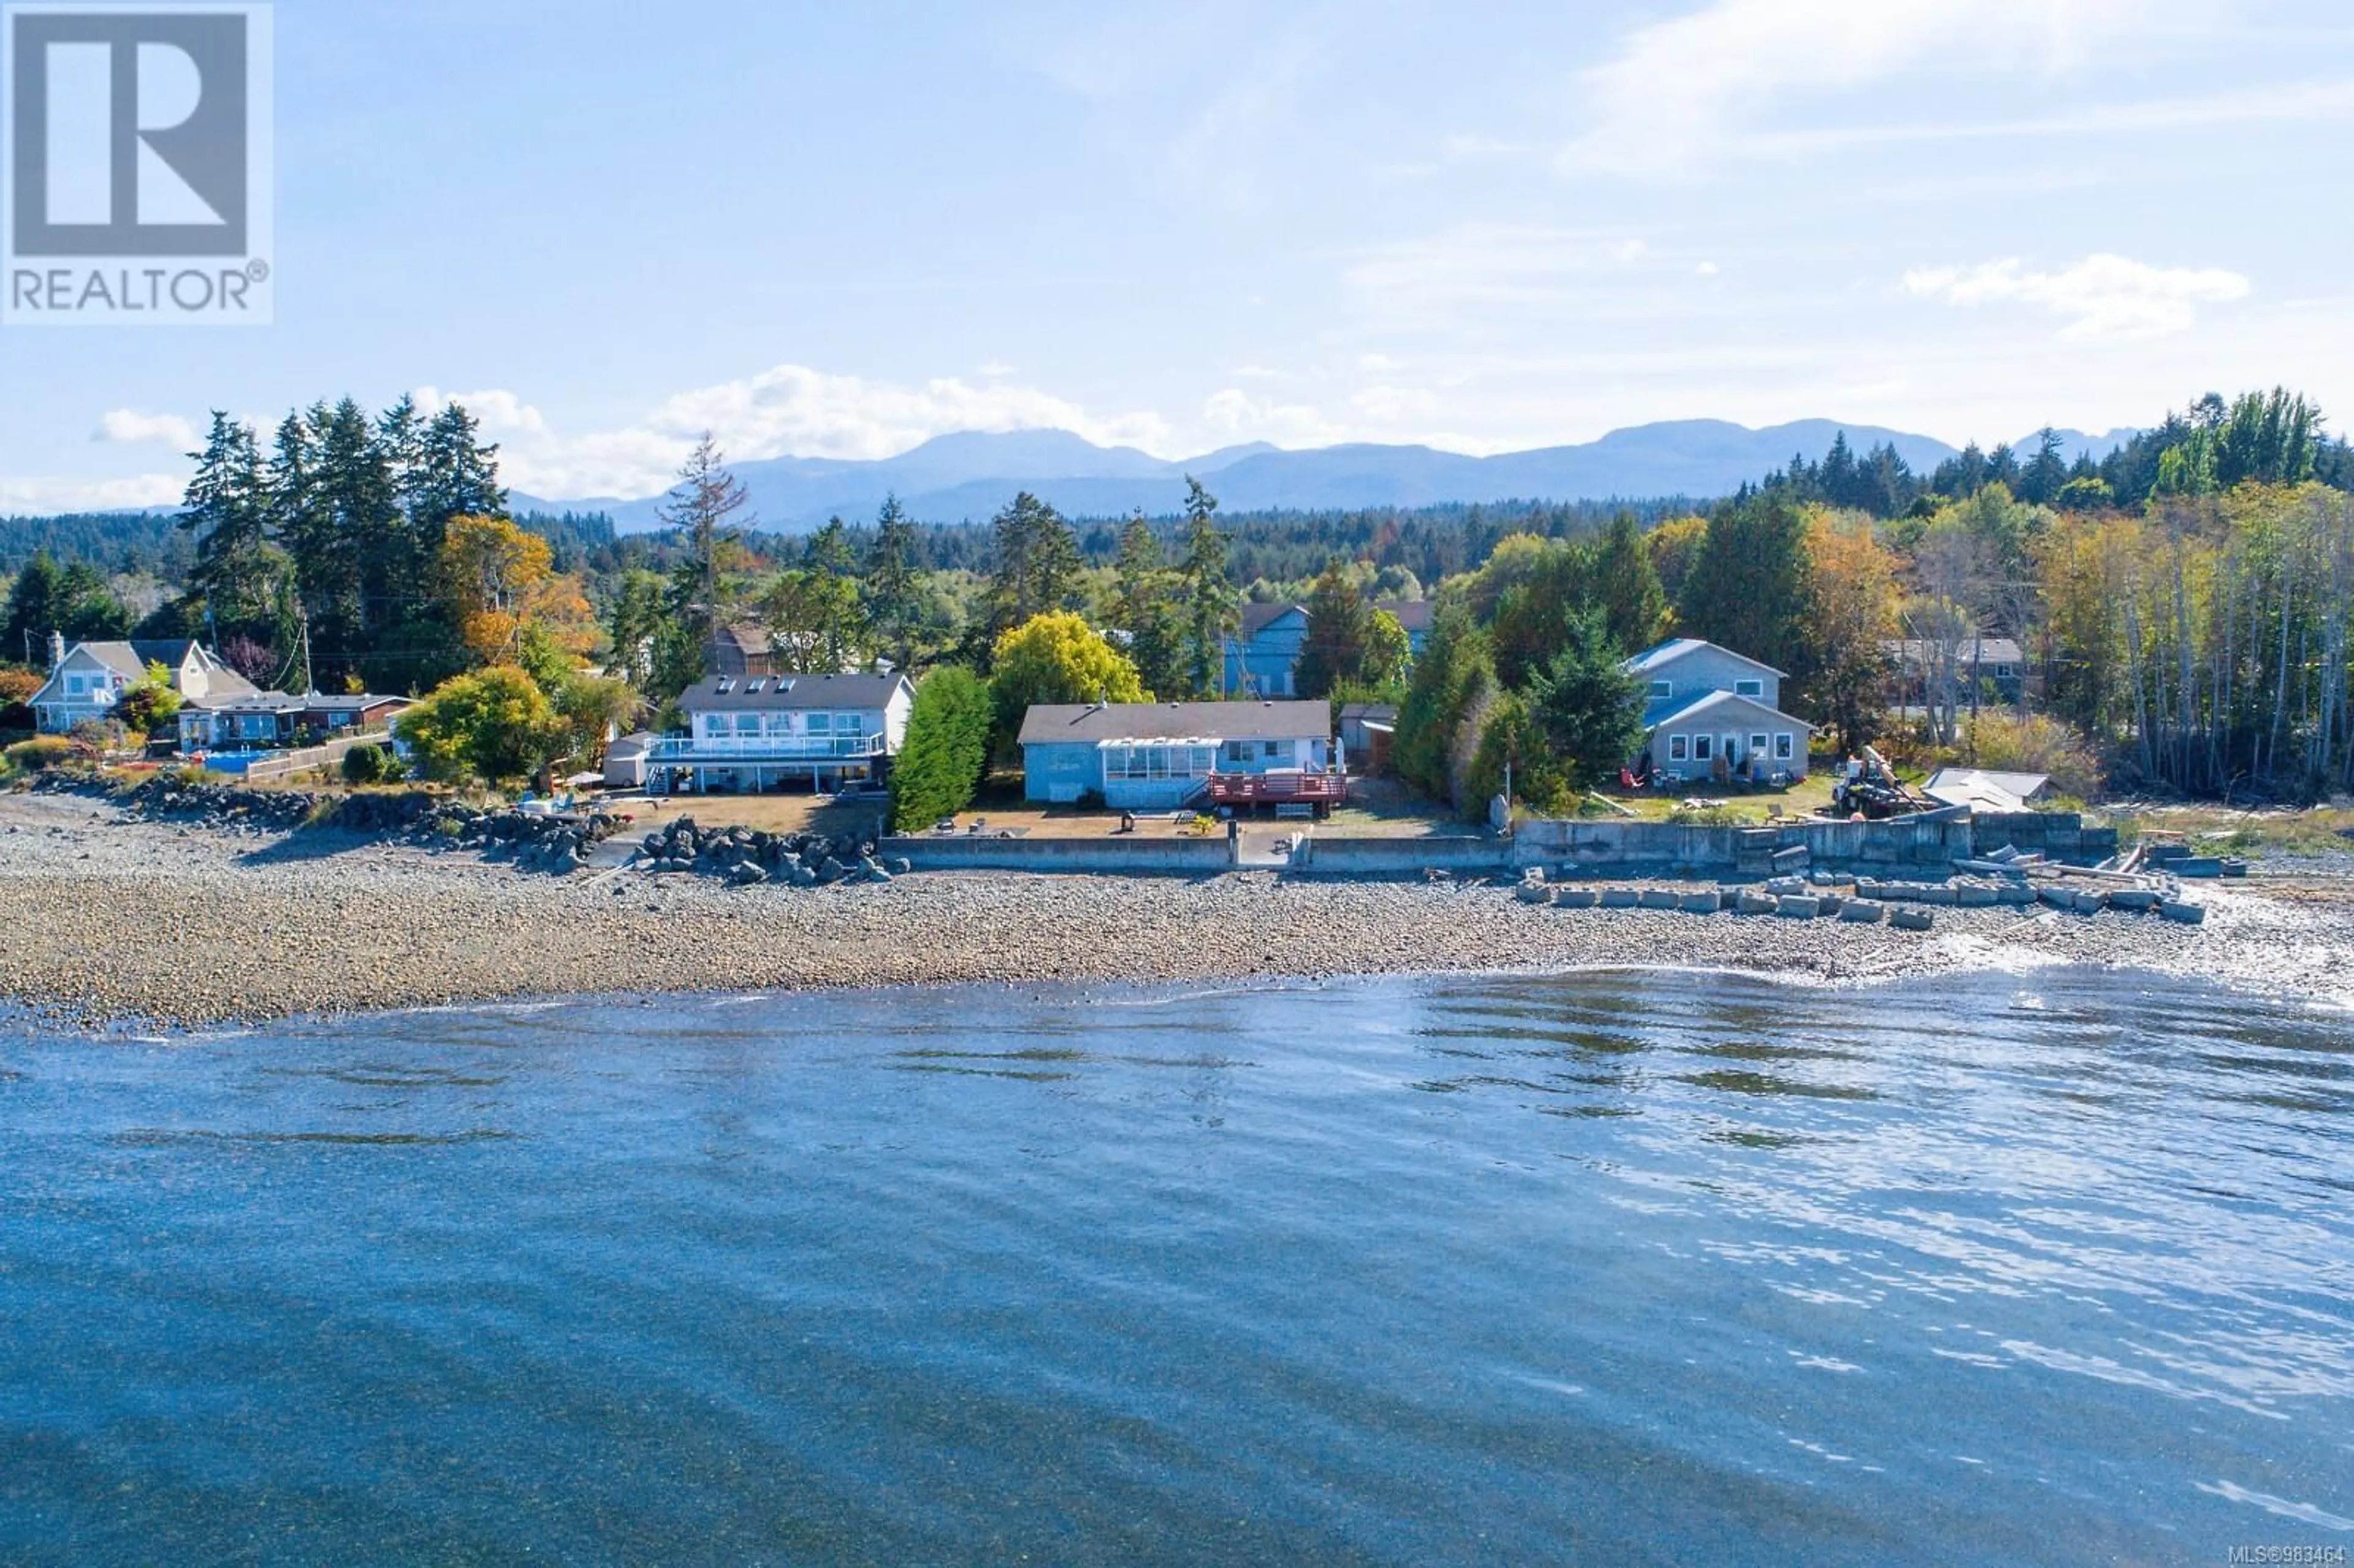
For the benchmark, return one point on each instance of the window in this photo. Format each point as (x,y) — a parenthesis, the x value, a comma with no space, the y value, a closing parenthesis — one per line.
(1663,688)
(1238,752)
(821,724)
(1274,749)
(1679,748)
(747,723)
(1748,688)
(1757,746)
(1704,746)
(1782,747)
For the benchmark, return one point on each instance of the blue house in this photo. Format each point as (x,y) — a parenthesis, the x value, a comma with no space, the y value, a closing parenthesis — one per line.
(1416,616)
(1150,756)
(1264,653)
(1712,713)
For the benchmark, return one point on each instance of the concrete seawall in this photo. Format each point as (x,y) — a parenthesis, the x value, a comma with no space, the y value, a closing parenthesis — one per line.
(1929,842)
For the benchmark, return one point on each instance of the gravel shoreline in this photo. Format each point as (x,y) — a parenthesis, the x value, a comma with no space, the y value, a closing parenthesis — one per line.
(120,921)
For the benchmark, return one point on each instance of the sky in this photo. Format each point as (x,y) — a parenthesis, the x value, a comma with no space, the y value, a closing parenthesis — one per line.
(838,231)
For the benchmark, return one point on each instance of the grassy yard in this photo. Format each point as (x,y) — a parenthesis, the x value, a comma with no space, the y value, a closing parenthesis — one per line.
(2316,832)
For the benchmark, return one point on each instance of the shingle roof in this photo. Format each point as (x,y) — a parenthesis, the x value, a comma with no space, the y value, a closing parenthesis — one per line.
(1990,651)
(779,693)
(1087,723)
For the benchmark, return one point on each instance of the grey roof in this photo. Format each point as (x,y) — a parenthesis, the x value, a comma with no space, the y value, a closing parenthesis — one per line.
(746,639)
(1258,617)
(1674,710)
(252,702)
(1651,659)
(130,659)
(355,702)
(1413,614)
(1087,723)
(778,693)
(1985,789)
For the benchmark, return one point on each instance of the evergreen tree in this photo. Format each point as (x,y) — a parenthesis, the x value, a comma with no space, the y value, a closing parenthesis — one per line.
(705,507)
(1453,676)
(1586,705)
(1211,613)
(1340,632)
(892,602)
(1038,566)
(1747,589)
(828,550)
(1626,587)
(946,751)
(383,580)
(1144,606)
(242,580)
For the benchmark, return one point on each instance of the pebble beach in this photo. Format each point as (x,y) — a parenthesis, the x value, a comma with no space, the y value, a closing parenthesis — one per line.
(120,922)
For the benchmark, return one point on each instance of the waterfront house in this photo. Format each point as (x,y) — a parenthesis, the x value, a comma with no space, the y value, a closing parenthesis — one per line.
(251,721)
(749,733)
(1710,714)
(87,679)
(1158,756)
(1263,655)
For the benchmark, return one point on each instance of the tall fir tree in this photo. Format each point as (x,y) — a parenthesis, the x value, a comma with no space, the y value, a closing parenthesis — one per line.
(707,508)
(892,602)
(1210,612)
(1037,565)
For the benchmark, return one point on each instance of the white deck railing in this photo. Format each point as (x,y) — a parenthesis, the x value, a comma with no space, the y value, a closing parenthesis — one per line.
(765,749)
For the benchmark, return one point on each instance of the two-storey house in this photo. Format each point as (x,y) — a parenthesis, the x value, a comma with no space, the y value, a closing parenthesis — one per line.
(746,733)
(87,679)
(1709,712)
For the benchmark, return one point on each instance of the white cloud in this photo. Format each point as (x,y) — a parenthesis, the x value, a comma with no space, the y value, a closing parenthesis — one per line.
(1391,405)
(2102,296)
(130,427)
(993,368)
(1235,414)
(38,495)
(1706,270)
(1682,91)
(791,410)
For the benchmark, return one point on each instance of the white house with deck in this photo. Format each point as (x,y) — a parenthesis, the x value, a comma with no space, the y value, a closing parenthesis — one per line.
(1710,714)
(747,733)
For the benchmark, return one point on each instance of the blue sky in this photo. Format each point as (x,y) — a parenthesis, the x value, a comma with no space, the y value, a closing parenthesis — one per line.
(839,230)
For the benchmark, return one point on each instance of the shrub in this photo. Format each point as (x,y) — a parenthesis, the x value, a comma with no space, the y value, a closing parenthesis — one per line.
(2033,743)
(946,748)
(370,765)
(35,756)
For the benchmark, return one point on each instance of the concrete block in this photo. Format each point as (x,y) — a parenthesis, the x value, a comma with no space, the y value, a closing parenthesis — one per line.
(2058,897)
(1660,898)
(1576,898)
(1702,904)
(2133,900)
(1620,898)
(1861,912)
(1757,904)
(2184,914)
(2090,903)
(1974,897)
(2016,894)
(1538,893)
(1830,903)
(1797,907)
(2197,865)
(1938,896)
(1911,919)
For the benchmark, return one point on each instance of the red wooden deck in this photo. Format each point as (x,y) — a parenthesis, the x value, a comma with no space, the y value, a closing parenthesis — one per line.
(1278,788)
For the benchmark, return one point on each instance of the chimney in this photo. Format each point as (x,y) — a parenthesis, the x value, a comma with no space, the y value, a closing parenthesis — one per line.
(56,649)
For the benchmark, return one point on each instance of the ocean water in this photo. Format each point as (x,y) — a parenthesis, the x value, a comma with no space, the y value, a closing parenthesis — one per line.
(1614,1268)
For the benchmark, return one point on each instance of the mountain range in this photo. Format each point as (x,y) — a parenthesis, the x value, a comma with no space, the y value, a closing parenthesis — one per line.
(969,475)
